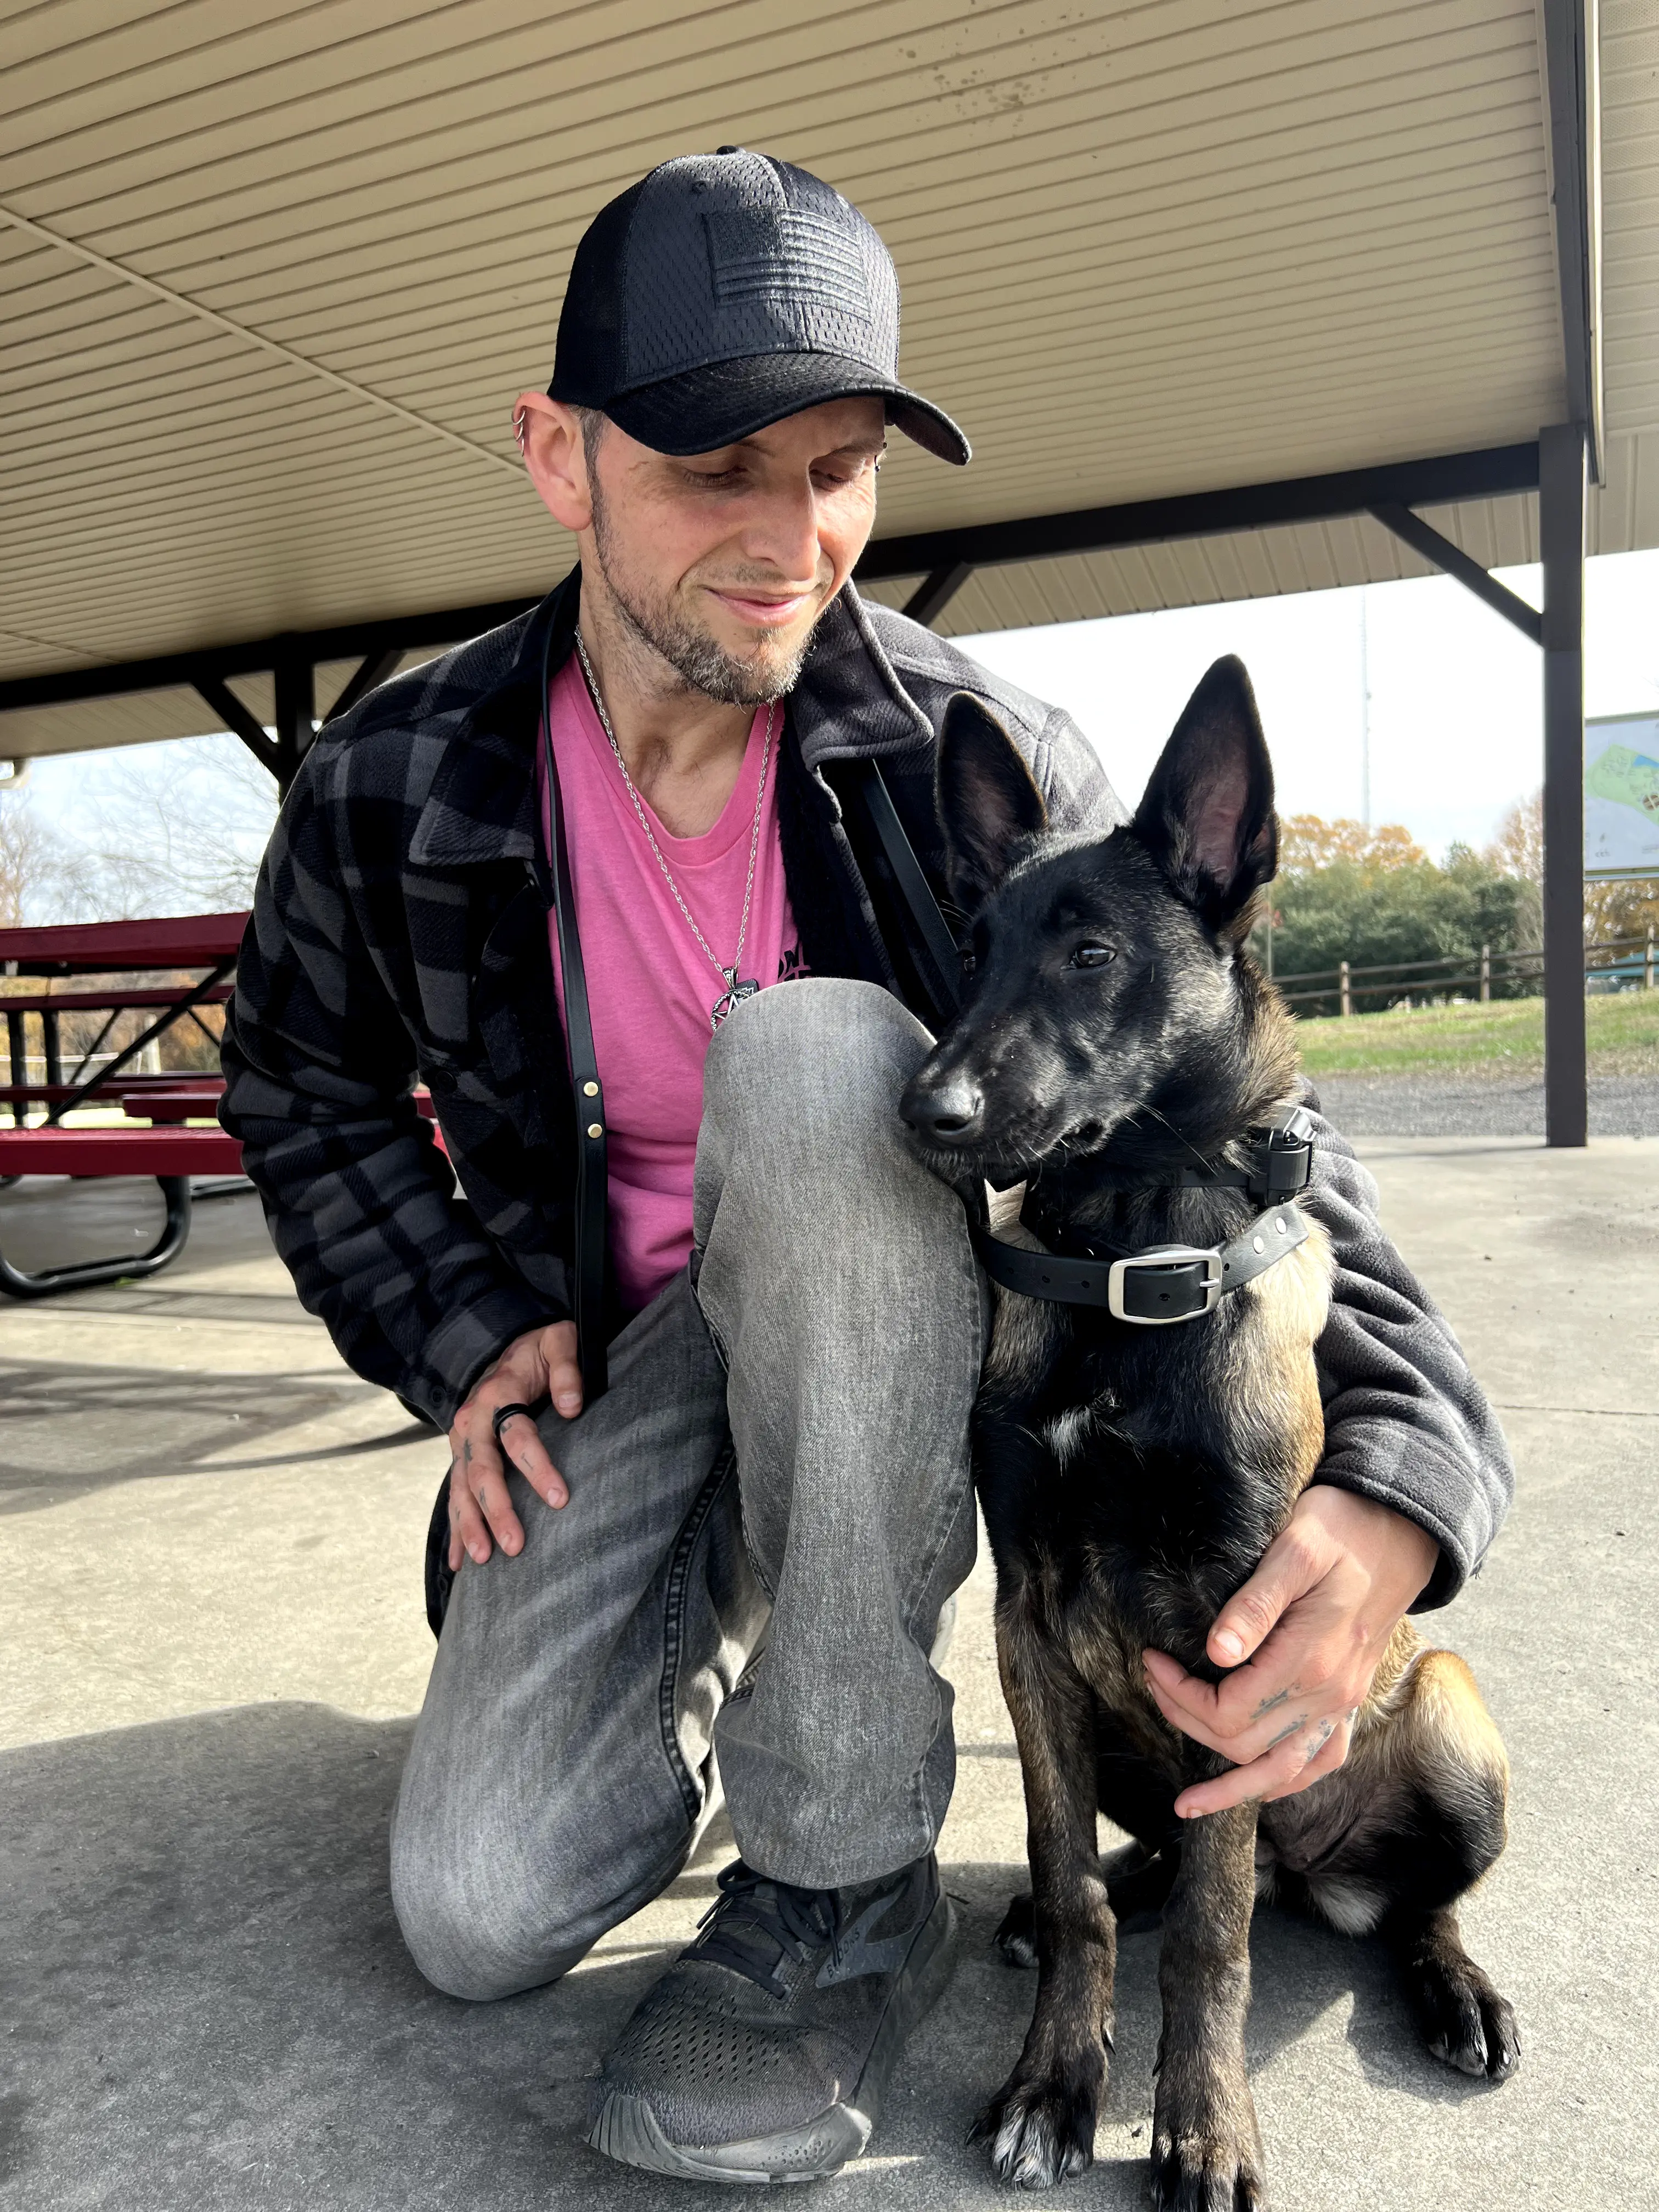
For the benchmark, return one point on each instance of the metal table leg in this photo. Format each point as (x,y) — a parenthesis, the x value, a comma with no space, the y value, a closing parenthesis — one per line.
(175,1189)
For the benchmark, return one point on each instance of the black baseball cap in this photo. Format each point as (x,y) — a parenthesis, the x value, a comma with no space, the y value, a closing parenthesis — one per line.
(724,291)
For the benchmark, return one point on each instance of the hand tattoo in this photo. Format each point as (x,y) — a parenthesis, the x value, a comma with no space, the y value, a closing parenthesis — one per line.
(1285,1734)
(1273,1704)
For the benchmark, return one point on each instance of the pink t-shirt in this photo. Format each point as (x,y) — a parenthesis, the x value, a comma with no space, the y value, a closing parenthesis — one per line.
(651,986)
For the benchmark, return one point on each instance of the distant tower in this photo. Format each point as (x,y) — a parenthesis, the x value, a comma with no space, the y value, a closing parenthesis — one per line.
(1365,712)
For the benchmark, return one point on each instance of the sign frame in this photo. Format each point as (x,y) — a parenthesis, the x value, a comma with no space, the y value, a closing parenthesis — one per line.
(1648,719)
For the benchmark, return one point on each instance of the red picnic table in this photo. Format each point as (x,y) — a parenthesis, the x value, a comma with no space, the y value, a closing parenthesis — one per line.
(209,942)
(173,1135)
(172,1150)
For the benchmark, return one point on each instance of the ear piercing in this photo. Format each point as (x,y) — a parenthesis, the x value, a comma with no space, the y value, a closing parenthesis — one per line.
(521,430)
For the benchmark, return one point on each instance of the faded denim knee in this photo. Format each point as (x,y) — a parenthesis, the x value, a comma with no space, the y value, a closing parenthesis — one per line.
(479,1924)
(820,1063)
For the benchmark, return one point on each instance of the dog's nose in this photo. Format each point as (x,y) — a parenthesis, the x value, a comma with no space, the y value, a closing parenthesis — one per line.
(950,1111)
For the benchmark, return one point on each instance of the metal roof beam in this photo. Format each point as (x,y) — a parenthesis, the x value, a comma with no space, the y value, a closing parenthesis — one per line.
(1424,539)
(237,717)
(372,671)
(1572,77)
(1438,482)
(349,641)
(935,593)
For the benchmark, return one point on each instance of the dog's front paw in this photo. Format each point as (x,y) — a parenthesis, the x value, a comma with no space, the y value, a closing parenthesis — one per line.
(1206,2149)
(1039,2130)
(1464,2020)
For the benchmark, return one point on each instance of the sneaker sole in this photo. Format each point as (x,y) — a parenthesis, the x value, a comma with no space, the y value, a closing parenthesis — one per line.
(628,2130)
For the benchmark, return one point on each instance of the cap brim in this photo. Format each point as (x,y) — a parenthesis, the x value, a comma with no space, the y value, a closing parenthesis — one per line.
(703,408)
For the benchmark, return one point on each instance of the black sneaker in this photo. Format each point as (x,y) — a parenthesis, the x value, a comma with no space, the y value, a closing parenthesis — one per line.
(763,2053)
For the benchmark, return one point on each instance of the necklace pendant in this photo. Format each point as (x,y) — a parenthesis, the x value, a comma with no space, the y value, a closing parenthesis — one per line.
(737,988)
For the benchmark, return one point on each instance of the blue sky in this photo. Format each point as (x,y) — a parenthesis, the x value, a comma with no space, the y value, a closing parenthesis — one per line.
(1455,723)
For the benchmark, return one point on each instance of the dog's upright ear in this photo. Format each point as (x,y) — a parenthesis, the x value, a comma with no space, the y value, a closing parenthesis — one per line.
(1207,812)
(987,802)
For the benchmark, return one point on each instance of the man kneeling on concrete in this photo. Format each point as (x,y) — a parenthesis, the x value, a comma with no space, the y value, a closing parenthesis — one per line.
(553,876)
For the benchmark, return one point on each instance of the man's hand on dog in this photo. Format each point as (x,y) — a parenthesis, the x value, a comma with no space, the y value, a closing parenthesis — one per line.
(542,1365)
(1302,1637)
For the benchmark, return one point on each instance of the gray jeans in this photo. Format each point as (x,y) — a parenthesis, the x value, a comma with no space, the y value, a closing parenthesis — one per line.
(767,1510)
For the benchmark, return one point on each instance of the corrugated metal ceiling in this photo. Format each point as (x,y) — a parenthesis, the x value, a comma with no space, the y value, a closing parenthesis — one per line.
(272,275)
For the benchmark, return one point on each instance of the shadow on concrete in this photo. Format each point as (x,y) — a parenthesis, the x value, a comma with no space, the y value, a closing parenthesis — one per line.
(67,1430)
(208,2001)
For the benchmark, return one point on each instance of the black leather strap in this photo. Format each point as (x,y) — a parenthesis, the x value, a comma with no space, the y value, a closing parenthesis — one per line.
(1270,1237)
(1044,1274)
(1152,1288)
(592,1190)
(942,956)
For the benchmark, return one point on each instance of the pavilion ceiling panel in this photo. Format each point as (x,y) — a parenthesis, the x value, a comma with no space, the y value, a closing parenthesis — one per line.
(1630,218)
(272,275)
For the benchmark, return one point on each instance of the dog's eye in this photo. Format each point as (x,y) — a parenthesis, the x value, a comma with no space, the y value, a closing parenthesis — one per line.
(1093,956)
(969,964)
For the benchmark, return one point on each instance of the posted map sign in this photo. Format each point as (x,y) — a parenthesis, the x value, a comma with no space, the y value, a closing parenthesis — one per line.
(1621,795)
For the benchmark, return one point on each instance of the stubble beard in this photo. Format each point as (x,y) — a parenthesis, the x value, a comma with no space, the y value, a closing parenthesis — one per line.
(699,661)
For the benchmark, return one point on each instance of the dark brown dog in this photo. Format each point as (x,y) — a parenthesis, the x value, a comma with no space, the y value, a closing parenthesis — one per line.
(1114,1030)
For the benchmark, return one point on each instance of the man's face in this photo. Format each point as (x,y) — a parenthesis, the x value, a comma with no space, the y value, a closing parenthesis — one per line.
(723,563)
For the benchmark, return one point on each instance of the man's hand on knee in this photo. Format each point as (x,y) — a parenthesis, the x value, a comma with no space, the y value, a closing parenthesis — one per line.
(541,1365)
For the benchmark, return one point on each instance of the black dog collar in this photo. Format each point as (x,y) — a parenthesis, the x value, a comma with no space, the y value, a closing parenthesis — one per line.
(1165,1283)
(1278,1163)
(1175,1282)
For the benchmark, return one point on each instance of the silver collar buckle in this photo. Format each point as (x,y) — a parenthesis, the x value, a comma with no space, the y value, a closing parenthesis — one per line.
(1158,1257)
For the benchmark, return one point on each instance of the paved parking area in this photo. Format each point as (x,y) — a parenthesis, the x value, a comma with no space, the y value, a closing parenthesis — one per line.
(1474,1103)
(213,1642)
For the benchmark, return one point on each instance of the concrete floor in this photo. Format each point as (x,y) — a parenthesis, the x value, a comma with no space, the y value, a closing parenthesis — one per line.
(213,1639)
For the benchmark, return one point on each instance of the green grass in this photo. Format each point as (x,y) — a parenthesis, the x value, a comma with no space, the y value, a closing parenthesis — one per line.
(1505,1038)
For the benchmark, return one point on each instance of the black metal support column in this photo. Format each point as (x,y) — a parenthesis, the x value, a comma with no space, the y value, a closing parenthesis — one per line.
(295,706)
(1561,494)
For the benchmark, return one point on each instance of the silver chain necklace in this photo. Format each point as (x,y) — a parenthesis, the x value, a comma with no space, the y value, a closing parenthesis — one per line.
(737,988)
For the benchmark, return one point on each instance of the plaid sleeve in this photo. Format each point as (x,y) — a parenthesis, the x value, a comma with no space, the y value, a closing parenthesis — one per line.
(1075,785)
(1406,1423)
(361,1204)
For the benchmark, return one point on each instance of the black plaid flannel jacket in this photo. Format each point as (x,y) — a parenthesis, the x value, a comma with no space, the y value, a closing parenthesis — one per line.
(399,934)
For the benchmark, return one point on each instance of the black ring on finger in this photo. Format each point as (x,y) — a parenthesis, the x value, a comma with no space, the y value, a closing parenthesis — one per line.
(503,1413)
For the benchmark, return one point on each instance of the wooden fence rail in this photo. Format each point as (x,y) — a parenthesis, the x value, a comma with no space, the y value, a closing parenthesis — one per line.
(1345,983)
